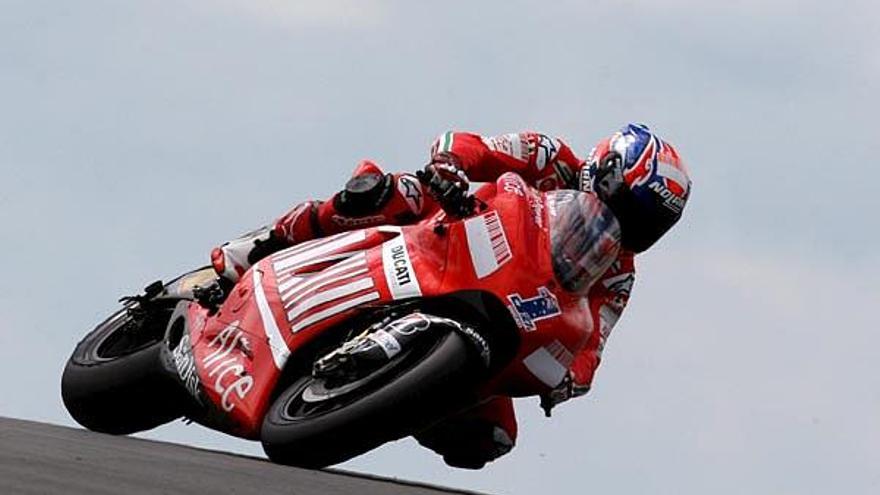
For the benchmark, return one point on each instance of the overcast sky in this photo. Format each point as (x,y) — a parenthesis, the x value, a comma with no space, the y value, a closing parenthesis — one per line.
(135,136)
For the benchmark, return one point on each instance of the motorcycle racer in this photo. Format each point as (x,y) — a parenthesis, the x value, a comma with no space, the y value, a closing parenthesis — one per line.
(638,175)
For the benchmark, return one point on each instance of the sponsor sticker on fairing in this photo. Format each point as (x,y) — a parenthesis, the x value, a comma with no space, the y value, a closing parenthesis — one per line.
(487,243)
(224,367)
(185,362)
(399,271)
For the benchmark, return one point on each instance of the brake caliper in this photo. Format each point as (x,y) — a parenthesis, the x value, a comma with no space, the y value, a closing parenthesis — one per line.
(386,339)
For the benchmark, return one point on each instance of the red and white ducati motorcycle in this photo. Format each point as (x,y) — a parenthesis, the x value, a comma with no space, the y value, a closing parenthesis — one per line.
(333,347)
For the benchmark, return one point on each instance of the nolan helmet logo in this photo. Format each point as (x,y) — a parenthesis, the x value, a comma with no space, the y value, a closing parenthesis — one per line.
(671,200)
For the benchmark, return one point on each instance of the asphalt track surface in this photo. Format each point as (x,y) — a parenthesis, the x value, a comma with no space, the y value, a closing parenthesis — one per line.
(37,458)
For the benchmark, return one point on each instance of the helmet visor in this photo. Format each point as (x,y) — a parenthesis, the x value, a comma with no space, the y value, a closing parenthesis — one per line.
(584,238)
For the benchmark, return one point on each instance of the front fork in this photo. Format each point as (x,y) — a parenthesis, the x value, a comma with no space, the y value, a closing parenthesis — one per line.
(179,362)
(384,340)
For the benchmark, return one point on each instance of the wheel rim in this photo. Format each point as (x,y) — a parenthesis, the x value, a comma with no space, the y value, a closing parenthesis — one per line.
(311,397)
(126,335)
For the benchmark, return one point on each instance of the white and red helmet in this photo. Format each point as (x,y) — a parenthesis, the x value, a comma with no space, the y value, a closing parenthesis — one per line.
(642,179)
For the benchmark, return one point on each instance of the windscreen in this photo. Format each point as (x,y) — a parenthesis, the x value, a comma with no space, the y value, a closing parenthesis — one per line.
(584,238)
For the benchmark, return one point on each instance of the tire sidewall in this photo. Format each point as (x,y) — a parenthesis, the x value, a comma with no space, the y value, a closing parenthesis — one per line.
(122,395)
(430,389)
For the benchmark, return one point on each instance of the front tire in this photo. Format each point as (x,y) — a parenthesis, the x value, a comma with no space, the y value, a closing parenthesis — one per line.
(115,382)
(415,389)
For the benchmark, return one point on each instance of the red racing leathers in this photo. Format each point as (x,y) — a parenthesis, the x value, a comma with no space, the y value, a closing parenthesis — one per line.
(489,430)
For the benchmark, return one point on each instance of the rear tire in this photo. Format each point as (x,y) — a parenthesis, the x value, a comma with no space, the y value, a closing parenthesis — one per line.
(417,388)
(115,381)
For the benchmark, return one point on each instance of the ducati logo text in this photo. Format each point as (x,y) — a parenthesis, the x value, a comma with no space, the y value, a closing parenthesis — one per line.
(401,265)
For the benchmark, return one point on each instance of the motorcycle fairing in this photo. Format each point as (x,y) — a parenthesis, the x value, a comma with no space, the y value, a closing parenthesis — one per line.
(281,304)
(551,342)
(289,298)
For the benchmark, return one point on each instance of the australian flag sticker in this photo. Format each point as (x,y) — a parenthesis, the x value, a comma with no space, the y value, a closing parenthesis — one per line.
(528,311)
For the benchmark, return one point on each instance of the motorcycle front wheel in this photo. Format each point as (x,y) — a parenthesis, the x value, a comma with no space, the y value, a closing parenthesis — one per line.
(311,425)
(114,382)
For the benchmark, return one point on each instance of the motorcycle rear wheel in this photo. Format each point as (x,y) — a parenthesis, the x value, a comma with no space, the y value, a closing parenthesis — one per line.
(415,389)
(115,382)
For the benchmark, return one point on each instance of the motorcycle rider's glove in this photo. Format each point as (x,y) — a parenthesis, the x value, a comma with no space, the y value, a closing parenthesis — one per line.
(447,183)
(233,258)
(566,390)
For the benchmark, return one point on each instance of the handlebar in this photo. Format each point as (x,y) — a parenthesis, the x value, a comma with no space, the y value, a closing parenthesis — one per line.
(455,200)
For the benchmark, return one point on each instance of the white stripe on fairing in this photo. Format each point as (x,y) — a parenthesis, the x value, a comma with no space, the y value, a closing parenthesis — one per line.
(334,310)
(289,283)
(277,344)
(545,367)
(313,244)
(671,172)
(342,242)
(357,263)
(319,298)
(321,259)
(312,287)
(347,259)
(290,271)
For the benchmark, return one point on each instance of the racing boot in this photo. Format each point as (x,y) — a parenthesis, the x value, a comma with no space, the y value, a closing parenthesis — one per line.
(232,259)
(476,437)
